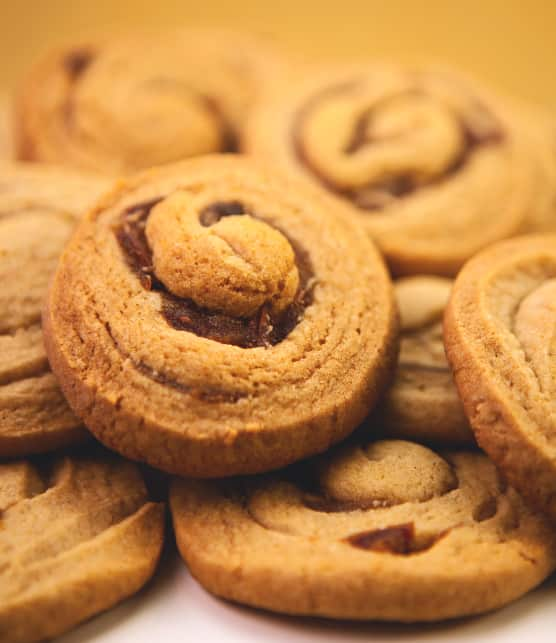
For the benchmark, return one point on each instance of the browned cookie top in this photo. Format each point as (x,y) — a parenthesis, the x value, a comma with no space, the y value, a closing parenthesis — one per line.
(77,536)
(500,338)
(389,530)
(132,102)
(434,166)
(212,318)
(38,210)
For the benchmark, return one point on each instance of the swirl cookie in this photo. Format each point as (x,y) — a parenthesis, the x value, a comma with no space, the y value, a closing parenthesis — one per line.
(386,531)
(76,538)
(423,404)
(38,209)
(500,340)
(198,320)
(433,166)
(131,103)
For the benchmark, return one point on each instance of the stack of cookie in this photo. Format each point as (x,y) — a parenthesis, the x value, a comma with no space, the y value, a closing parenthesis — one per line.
(224,312)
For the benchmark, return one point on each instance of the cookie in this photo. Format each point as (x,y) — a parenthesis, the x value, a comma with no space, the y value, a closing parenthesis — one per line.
(130,103)
(198,320)
(38,209)
(499,331)
(389,530)
(76,538)
(423,404)
(434,166)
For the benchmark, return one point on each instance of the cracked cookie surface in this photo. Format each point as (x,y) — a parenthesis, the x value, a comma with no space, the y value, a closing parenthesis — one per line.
(39,207)
(78,536)
(500,340)
(198,320)
(389,530)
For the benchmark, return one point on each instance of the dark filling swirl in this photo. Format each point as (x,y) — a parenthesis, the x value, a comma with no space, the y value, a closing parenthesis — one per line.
(262,329)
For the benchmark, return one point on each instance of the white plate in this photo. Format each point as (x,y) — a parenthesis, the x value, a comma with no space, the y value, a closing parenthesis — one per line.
(175,608)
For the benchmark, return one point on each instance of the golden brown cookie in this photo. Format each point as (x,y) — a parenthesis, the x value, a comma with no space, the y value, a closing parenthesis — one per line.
(77,537)
(500,339)
(38,209)
(434,166)
(130,103)
(388,531)
(422,403)
(199,321)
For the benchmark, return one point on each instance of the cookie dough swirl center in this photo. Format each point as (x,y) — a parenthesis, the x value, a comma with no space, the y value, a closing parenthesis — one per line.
(393,496)
(375,146)
(222,258)
(385,474)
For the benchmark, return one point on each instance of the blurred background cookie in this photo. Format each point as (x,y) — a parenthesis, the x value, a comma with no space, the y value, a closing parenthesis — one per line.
(133,102)
(78,536)
(39,207)
(433,165)
(422,403)
(500,339)
(385,531)
(198,320)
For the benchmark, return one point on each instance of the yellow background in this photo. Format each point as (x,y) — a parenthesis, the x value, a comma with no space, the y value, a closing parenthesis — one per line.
(511,43)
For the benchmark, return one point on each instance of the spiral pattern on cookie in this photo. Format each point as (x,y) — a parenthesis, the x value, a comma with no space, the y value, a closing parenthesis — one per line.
(434,166)
(500,340)
(422,403)
(131,103)
(198,320)
(388,530)
(78,536)
(39,207)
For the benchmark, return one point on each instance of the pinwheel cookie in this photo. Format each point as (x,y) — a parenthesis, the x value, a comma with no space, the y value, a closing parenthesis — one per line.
(388,531)
(422,403)
(500,339)
(432,165)
(199,320)
(77,537)
(38,209)
(129,103)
